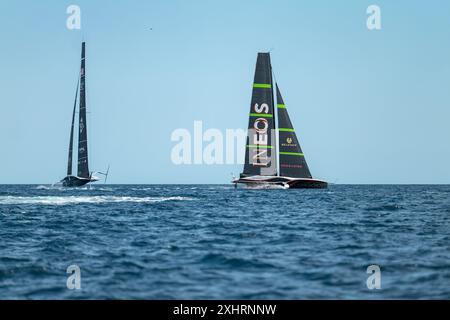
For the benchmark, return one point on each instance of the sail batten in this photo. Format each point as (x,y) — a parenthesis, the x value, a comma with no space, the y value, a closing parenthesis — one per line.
(292,160)
(83,168)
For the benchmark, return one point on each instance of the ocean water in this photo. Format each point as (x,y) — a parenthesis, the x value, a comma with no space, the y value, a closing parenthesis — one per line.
(215,242)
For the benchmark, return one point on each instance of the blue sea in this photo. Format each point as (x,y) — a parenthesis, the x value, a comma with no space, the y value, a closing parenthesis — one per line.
(217,242)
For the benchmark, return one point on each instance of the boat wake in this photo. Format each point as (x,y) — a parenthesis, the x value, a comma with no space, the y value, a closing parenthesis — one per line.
(259,186)
(58,200)
(59,187)
(45,187)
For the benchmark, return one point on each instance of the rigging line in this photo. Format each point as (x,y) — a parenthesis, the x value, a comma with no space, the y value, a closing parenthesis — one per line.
(275,78)
(275,113)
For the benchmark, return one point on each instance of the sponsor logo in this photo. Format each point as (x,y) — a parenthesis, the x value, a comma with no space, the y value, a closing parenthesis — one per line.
(289,143)
(260,139)
(81,125)
(297,166)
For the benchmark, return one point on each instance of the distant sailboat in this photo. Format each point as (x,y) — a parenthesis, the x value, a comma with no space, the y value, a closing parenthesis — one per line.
(83,175)
(260,166)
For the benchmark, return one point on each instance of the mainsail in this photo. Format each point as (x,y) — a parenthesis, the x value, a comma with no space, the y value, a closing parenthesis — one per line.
(292,159)
(260,155)
(69,164)
(83,169)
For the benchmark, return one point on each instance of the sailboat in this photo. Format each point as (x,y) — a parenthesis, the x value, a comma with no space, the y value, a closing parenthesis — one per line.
(83,176)
(262,149)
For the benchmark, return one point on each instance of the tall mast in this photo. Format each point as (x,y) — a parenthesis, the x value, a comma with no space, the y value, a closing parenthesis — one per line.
(275,150)
(83,168)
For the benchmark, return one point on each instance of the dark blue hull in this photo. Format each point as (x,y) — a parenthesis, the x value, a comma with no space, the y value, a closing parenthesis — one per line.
(72,181)
(292,183)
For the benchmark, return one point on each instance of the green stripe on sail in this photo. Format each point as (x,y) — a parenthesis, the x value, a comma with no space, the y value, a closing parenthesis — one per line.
(259,146)
(293,154)
(262,85)
(281,106)
(286,129)
(262,115)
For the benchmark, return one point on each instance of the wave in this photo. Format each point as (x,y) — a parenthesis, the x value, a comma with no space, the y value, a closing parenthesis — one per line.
(146,189)
(55,200)
(386,207)
(97,188)
(44,187)
(234,262)
(59,187)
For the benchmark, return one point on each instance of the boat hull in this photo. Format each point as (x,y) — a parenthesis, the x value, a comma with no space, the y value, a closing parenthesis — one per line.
(308,184)
(292,183)
(72,181)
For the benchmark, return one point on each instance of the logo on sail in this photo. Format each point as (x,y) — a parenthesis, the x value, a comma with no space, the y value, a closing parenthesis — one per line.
(260,140)
(81,125)
(289,143)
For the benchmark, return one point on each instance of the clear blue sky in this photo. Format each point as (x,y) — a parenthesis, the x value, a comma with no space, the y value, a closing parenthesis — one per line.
(369,106)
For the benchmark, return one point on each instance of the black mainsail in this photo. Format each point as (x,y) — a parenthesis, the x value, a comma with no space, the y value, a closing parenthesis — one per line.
(83,174)
(260,155)
(261,149)
(69,164)
(83,168)
(292,160)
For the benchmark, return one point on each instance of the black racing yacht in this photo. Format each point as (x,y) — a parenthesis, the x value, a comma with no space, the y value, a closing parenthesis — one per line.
(262,149)
(83,175)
